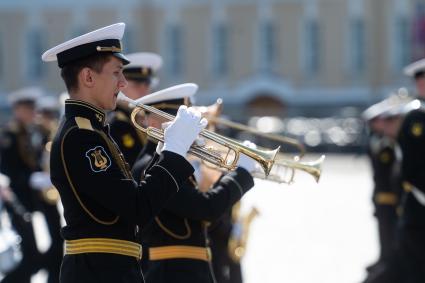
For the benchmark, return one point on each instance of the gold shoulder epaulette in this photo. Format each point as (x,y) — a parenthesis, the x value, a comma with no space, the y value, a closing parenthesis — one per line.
(83,123)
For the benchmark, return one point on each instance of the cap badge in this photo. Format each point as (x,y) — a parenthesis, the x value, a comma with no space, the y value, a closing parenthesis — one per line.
(145,71)
(108,49)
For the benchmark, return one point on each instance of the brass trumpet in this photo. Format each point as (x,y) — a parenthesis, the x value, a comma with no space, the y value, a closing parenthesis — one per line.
(234,148)
(284,169)
(277,174)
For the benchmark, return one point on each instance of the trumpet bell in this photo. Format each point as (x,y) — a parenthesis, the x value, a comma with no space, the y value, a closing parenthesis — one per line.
(284,170)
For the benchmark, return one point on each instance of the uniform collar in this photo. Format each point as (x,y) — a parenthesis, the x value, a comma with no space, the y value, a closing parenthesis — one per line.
(78,108)
(121,108)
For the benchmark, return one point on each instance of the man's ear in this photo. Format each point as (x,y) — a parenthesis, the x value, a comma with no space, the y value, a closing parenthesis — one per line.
(86,77)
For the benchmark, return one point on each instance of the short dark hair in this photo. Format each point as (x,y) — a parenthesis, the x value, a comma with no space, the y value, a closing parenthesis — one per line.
(69,73)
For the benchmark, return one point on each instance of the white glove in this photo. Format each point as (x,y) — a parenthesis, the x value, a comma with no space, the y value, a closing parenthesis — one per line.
(159,147)
(40,181)
(183,130)
(4,181)
(246,162)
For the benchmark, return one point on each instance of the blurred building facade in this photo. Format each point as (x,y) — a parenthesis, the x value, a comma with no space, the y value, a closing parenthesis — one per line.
(290,57)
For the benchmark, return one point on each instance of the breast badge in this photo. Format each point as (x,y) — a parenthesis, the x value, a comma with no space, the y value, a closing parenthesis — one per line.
(417,129)
(128,140)
(98,159)
(384,157)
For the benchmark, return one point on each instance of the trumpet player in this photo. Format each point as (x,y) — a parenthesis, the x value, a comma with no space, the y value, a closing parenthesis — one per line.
(177,240)
(141,75)
(103,204)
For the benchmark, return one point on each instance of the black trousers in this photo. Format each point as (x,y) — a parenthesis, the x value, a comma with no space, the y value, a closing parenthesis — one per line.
(225,269)
(100,268)
(387,227)
(179,271)
(407,265)
(412,249)
(30,263)
(53,256)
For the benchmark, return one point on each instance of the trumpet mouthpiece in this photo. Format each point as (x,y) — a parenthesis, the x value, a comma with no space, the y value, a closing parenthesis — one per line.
(124,99)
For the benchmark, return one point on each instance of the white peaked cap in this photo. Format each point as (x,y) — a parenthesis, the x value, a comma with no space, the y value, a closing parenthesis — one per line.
(394,105)
(144,59)
(25,94)
(114,33)
(415,67)
(174,92)
(48,103)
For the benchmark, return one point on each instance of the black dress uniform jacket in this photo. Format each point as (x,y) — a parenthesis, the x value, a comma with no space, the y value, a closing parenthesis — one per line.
(412,234)
(100,197)
(385,162)
(182,225)
(20,153)
(127,137)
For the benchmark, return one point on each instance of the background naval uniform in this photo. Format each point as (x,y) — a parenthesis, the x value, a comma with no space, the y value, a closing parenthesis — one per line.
(19,159)
(129,140)
(387,191)
(178,237)
(412,234)
(49,205)
(226,270)
(102,202)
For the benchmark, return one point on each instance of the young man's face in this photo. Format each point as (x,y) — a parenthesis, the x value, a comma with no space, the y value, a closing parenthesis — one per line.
(392,126)
(25,113)
(135,89)
(377,125)
(420,86)
(108,83)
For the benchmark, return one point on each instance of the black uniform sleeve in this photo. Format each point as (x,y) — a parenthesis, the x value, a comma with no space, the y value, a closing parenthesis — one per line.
(11,164)
(93,171)
(194,204)
(139,167)
(382,167)
(412,142)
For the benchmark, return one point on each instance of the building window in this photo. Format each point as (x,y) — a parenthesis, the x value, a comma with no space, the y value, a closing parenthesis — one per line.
(268,46)
(79,30)
(35,67)
(220,50)
(403,41)
(174,45)
(357,45)
(312,47)
(2,63)
(418,32)
(128,40)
